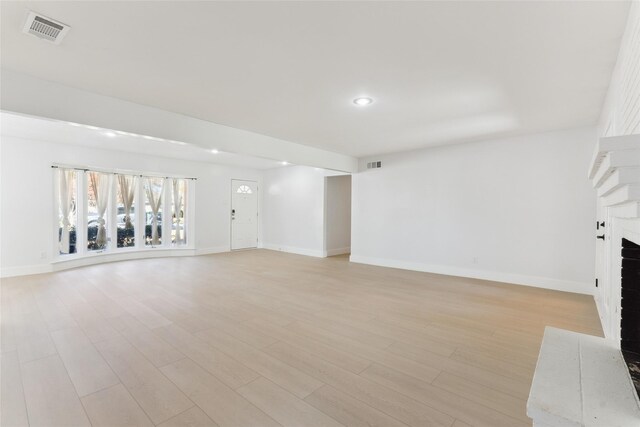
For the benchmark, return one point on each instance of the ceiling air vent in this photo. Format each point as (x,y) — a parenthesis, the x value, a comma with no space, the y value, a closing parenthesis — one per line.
(374,165)
(45,28)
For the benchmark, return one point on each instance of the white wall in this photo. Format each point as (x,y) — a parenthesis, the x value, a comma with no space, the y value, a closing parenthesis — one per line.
(337,215)
(293,202)
(27,197)
(517,210)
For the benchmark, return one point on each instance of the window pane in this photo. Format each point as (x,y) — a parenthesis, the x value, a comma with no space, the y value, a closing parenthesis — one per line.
(178,210)
(97,202)
(126,210)
(244,189)
(153,211)
(67,213)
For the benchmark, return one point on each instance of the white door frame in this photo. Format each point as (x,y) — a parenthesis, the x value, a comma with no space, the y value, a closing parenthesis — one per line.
(257,214)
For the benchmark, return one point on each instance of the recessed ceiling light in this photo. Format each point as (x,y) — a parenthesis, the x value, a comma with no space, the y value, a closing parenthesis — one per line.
(110,134)
(214,151)
(362,101)
(284,163)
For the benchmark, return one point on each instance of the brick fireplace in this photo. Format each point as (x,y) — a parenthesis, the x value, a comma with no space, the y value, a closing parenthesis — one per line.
(587,380)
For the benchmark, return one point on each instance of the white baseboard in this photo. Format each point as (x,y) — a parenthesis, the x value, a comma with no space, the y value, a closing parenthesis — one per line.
(338,251)
(293,250)
(25,270)
(215,250)
(91,259)
(114,257)
(495,276)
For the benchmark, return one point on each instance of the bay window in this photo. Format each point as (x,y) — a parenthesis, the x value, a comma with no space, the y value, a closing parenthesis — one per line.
(119,212)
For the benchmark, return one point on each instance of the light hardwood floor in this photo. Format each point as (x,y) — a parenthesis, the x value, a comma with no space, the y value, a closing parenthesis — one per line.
(262,338)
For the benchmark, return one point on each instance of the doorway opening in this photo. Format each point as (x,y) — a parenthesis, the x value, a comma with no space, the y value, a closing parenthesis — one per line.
(337,215)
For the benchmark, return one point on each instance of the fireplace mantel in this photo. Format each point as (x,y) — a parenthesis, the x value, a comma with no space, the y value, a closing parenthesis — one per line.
(615,170)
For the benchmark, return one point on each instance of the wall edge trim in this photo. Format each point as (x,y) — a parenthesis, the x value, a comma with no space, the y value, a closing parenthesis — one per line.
(495,276)
(294,250)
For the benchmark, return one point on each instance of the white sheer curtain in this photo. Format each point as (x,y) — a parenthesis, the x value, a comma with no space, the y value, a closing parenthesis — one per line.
(184,211)
(179,186)
(154,188)
(65,178)
(127,190)
(100,184)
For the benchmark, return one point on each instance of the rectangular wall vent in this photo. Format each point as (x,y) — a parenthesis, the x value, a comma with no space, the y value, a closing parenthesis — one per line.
(374,165)
(45,28)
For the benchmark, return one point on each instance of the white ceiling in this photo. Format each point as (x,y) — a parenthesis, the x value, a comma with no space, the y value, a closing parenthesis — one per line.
(64,133)
(440,72)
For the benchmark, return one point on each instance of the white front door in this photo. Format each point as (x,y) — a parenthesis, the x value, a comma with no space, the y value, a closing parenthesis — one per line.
(244,214)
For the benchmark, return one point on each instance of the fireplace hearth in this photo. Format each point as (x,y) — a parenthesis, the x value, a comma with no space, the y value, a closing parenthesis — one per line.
(630,309)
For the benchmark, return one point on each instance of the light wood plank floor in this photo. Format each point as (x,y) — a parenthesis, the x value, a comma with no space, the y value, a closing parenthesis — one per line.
(262,338)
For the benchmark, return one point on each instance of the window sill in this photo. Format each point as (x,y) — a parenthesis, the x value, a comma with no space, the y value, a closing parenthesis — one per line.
(63,262)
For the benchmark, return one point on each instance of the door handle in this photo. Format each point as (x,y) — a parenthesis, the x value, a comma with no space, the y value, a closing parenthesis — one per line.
(600,237)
